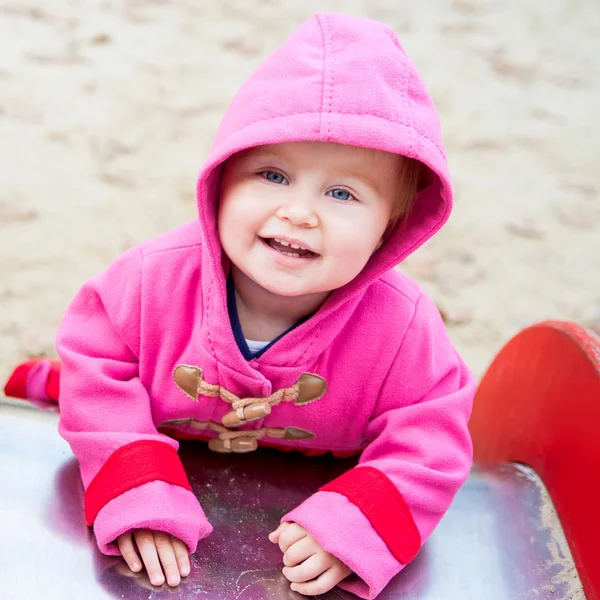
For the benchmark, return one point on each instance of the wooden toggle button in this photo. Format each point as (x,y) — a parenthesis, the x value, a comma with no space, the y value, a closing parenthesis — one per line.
(239,445)
(252,412)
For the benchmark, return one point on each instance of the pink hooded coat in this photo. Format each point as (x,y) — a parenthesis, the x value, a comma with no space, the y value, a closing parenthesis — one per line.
(396,388)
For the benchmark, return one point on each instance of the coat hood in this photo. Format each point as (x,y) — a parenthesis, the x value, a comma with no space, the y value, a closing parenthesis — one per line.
(345,79)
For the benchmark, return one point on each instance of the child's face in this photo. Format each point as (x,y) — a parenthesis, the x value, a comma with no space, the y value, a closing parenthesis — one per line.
(333,200)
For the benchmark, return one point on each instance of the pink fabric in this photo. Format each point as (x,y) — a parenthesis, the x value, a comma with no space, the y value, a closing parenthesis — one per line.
(397,388)
(319,516)
(37,379)
(171,508)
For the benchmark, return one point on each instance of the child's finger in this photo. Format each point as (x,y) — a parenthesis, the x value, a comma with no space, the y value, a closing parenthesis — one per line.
(182,556)
(290,535)
(127,550)
(145,543)
(166,555)
(309,569)
(322,584)
(300,551)
(274,536)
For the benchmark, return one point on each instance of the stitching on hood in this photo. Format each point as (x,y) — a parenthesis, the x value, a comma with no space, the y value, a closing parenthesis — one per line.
(328,72)
(208,310)
(332,87)
(324,72)
(409,115)
(352,114)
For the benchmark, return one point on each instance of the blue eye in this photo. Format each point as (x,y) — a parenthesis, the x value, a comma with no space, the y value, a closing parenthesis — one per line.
(274,177)
(340,194)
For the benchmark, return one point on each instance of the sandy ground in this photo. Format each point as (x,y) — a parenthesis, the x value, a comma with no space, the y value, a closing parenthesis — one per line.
(108,108)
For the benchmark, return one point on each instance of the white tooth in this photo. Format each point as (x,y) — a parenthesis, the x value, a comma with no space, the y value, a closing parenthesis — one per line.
(276,240)
(283,243)
(295,247)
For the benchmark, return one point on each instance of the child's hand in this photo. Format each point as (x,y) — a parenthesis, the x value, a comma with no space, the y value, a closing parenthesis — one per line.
(155,548)
(306,561)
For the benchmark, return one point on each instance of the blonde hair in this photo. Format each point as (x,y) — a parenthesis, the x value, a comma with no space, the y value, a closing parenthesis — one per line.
(411,174)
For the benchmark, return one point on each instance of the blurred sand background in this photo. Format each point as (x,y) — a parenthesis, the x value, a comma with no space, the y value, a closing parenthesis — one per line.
(108,108)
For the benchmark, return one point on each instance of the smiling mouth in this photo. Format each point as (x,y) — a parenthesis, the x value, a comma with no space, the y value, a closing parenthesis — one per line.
(293,250)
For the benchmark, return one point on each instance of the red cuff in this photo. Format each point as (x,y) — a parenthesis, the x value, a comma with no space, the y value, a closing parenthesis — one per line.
(16,386)
(131,466)
(383,505)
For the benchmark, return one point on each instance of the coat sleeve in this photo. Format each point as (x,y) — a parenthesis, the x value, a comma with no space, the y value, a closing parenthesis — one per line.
(132,475)
(376,517)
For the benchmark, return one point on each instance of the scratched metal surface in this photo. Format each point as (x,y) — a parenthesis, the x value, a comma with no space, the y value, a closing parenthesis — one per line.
(492,544)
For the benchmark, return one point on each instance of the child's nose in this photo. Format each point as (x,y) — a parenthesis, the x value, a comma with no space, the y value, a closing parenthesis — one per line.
(299,211)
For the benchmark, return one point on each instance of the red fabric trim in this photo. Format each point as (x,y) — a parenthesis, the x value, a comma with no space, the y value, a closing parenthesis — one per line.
(381,502)
(131,466)
(16,386)
(53,383)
